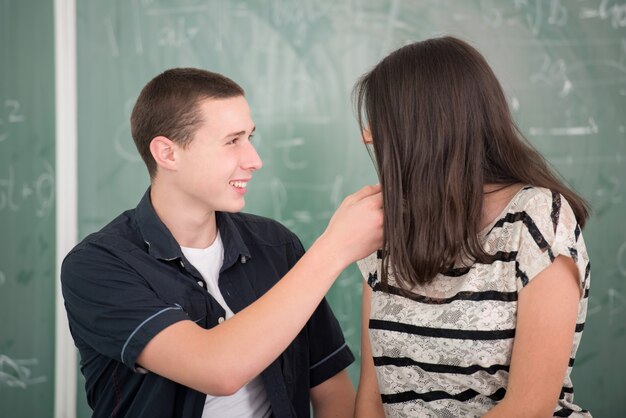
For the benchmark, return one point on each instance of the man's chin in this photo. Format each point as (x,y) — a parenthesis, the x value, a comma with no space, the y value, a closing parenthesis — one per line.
(234,208)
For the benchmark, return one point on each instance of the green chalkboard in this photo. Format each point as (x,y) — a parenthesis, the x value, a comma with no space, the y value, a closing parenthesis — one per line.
(27,232)
(562,64)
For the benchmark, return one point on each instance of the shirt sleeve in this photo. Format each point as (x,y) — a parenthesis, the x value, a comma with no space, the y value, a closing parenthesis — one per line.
(328,351)
(370,269)
(549,229)
(110,307)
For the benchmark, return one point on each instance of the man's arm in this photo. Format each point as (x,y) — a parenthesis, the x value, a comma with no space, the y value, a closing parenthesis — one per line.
(218,361)
(368,401)
(333,398)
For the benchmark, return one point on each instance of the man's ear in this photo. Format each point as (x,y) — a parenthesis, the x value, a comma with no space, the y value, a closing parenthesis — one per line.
(163,152)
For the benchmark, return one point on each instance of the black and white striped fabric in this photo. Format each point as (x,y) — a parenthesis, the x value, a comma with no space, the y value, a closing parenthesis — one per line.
(445,349)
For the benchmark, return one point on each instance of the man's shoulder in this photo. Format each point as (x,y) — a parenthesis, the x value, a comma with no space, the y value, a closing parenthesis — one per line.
(262,230)
(121,233)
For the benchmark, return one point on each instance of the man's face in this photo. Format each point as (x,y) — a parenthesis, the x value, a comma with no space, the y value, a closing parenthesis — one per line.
(214,169)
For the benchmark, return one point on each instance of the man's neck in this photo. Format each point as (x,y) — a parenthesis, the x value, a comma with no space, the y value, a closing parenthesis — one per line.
(192,226)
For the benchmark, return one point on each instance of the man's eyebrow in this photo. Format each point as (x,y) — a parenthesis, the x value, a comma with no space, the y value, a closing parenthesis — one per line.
(240,133)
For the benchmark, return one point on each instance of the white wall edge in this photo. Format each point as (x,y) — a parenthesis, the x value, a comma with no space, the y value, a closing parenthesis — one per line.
(66,196)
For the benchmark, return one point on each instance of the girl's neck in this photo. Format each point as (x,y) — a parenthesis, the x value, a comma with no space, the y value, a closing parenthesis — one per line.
(496,197)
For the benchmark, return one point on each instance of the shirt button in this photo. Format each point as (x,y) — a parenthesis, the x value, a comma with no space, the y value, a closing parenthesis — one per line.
(182,263)
(220,319)
(200,283)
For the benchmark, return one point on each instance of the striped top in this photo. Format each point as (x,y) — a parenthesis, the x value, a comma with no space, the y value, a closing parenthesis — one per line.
(445,350)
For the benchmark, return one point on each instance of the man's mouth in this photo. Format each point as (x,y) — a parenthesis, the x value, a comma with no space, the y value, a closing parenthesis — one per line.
(239,184)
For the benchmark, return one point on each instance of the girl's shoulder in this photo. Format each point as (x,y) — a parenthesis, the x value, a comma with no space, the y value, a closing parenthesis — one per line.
(540,206)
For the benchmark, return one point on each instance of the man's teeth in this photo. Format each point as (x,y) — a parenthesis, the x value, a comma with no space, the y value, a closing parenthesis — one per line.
(239,184)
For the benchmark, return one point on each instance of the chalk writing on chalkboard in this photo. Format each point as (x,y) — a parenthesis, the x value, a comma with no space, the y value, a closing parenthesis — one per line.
(286,155)
(533,16)
(612,302)
(553,72)
(616,305)
(589,128)
(18,373)
(621,259)
(15,194)
(10,113)
(608,11)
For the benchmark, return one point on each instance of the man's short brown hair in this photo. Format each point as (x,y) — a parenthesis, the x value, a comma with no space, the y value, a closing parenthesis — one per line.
(169,106)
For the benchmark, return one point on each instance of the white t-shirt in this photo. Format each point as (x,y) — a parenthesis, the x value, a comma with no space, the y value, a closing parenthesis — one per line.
(251,400)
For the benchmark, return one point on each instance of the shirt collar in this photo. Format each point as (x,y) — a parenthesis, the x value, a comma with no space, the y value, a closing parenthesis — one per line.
(160,241)
(234,247)
(162,245)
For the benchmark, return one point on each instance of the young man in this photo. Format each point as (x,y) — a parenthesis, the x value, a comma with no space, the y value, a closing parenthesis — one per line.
(183,307)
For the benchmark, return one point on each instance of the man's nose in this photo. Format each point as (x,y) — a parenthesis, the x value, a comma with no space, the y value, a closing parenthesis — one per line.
(252,160)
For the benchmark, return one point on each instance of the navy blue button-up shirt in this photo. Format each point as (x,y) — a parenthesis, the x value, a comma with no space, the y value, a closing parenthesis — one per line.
(129,281)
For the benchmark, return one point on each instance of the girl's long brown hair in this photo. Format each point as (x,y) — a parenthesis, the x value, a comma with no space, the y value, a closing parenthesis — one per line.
(441,129)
